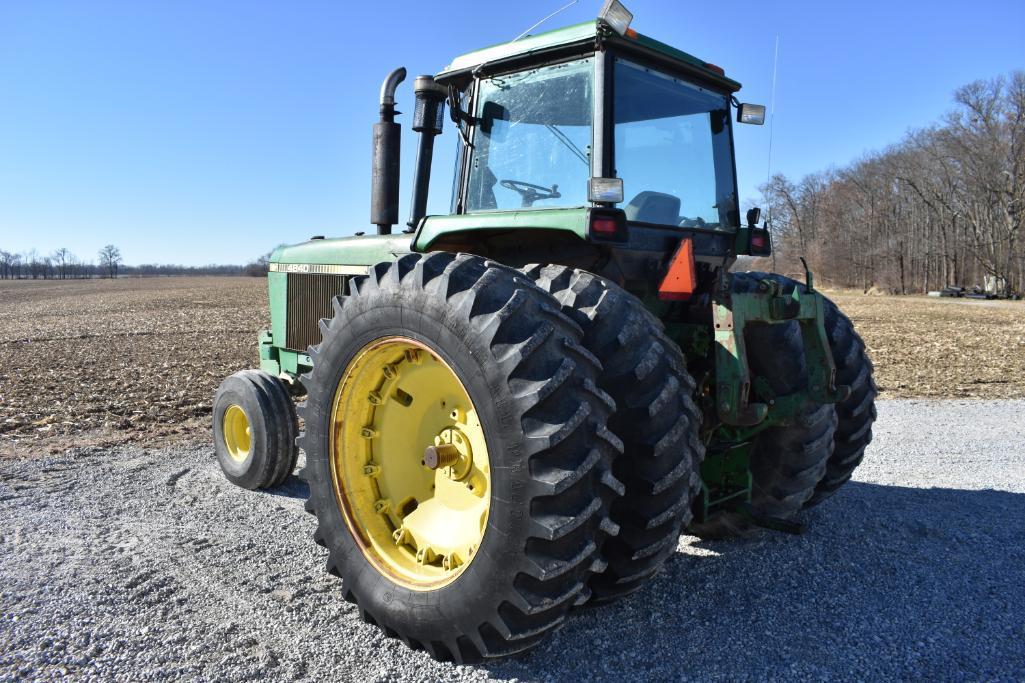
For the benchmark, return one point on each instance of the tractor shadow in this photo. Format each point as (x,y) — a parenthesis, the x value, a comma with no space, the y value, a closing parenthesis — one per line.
(886,582)
(293,487)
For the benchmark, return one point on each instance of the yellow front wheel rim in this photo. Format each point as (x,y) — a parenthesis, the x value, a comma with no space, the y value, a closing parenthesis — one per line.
(238,436)
(409,463)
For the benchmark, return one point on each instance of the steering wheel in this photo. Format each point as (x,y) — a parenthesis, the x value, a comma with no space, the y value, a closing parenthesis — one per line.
(529,192)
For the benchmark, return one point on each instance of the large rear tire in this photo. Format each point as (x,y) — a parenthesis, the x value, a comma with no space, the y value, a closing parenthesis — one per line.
(493,350)
(787,461)
(857,412)
(656,419)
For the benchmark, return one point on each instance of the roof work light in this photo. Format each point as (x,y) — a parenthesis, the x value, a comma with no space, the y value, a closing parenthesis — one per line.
(615,16)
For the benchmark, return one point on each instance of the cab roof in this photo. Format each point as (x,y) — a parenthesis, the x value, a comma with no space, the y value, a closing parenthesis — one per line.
(578,36)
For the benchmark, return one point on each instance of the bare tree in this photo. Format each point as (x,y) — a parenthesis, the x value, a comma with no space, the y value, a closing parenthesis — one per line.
(35,266)
(62,259)
(6,265)
(945,205)
(110,259)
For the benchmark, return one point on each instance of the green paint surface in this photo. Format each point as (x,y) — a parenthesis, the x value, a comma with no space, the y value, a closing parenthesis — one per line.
(363,250)
(570,220)
(277,284)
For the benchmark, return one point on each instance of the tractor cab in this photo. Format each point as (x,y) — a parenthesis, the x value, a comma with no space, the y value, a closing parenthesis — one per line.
(597,140)
(602,107)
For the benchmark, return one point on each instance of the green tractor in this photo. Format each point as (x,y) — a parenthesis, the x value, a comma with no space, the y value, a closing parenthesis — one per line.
(516,409)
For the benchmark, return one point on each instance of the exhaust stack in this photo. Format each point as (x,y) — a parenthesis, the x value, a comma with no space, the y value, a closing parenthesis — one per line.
(384,182)
(427,120)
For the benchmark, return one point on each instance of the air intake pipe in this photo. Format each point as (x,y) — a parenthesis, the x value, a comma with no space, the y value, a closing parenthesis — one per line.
(384,179)
(427,121)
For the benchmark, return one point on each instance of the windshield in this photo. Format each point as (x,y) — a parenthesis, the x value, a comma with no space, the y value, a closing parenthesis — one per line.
(533,142)
(672,150)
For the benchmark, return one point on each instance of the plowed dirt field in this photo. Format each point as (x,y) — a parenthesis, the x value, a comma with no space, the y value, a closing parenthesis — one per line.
(103,362)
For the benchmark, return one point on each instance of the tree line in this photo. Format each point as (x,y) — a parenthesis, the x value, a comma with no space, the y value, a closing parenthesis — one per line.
(944,206)
(61,264)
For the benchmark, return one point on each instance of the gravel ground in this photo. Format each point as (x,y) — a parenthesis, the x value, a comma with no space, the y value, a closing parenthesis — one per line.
(141,564)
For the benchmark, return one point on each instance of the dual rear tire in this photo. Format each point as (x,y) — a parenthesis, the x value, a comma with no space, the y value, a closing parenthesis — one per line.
(463,578)
(585,502)
(797,465)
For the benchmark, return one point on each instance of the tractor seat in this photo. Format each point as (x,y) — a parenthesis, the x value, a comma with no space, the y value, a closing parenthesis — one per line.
(654,207)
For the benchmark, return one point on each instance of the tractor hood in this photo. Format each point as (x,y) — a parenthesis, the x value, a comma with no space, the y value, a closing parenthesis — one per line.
(362,250)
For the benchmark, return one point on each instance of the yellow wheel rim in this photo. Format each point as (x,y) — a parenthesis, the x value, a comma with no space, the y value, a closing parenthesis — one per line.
(409,463)
(238,436)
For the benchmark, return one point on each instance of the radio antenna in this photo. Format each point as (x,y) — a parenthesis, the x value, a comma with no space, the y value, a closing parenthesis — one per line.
(558,11)
(772,122)
(772,110)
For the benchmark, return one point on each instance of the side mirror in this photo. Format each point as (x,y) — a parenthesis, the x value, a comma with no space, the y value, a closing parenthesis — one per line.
(753,216)
(751,113)
(491,112)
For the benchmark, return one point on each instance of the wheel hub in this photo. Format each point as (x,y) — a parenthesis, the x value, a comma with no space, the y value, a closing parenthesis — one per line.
(238,437)
(451,453)
(410,463)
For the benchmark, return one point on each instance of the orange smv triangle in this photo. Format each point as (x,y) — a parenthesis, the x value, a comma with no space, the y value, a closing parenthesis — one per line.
(681,279)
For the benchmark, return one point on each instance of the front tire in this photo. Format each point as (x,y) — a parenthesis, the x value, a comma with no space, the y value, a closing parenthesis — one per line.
(529,385)
(255,427)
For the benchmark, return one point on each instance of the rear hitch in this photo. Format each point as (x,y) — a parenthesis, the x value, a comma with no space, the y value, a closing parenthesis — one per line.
(731,312)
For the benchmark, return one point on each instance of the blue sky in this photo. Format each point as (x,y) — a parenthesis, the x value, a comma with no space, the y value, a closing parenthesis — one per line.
(197,132)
